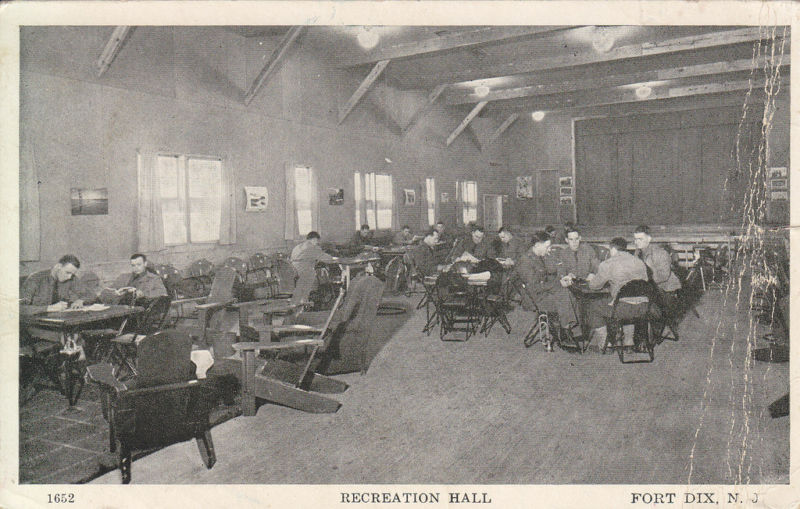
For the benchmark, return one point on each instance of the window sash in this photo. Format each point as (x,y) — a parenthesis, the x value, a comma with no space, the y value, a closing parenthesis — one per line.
(430,194)
(303,201)
(190,190)
(469,201)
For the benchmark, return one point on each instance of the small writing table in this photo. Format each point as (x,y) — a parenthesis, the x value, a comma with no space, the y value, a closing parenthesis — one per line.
(64,323)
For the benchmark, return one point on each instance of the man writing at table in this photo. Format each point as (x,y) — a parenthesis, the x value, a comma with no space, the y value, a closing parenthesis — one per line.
(511,248)
(53,290)
(473,248)
(141,283)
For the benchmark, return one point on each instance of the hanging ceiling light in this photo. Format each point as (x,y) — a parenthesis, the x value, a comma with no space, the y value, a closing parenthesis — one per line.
(602,39)
(643,92)
(537,116)
(367,37)
(482,90)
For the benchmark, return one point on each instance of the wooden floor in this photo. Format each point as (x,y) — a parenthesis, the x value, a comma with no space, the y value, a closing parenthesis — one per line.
(490,411)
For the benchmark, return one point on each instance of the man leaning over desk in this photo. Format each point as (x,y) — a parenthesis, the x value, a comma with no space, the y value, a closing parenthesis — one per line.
(54,289)
(140,283)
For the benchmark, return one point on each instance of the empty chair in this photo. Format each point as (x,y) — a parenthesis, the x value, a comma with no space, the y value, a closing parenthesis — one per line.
(198,280)
(219,297)
(161,406)
(258,277)
(122,350)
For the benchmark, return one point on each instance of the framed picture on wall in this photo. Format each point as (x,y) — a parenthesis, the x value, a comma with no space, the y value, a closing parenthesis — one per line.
(779,195)
(409,197)
(524,187)
(335,196)
(445,198)
(89,202)
(565,181)
(566,200)
(566,191)
(256,199)
(777,173)
(778,184)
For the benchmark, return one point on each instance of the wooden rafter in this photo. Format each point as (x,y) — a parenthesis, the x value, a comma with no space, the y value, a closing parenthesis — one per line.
(505,125)
(694,42)
(463,39)
(432,97)
(362,89)
(464,123)
(462,96)
(273,62)
(621,96)
(118,38)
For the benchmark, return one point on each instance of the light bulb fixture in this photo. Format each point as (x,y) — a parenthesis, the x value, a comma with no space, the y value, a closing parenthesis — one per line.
(482,90)
(367,37)
(387,160)
(602,40)
(643,92)
(537,116)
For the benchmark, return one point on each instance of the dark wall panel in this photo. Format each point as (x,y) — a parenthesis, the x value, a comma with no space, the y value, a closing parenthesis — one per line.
(663,169)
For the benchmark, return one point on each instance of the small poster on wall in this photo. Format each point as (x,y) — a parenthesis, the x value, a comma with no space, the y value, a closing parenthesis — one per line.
(566,200)
(445,198)
(89,202)
(335,196)
(565,181)
(256,199)
(524,187)
(410,197)
(777,173)
(566,191)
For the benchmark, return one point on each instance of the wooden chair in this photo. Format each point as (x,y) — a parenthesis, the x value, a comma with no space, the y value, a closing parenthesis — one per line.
(122,352)
(163,405)
(259,272)
(220,296)
(285,383)
(283,277)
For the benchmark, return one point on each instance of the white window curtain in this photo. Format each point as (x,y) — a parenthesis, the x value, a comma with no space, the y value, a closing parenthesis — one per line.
(150,223)
(430,199)
(300,201)
(227,224)
(29,215)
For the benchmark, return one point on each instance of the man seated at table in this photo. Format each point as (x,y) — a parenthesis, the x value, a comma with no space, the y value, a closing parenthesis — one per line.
(511,248)
(578,260)
(362,238)
(140,283)
(659,264)
(404,237)
(304,258)
(422,258)
(54,289)
(537,271)
(620,268)
(472,247)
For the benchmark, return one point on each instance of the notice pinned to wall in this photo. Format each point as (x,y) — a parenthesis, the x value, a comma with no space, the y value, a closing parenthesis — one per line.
(524,187)
(257,199)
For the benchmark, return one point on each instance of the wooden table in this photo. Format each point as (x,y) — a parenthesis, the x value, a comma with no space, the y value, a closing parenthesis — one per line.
(346,263)
(66,323)
(580,297)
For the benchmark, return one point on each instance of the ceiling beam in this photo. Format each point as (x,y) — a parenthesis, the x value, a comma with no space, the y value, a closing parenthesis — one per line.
(362,89)
(464,123)
(505,125)
(617,96)
(118,38)
(465,96)
(272,63)
(432,97)
(463,39)
(694,42)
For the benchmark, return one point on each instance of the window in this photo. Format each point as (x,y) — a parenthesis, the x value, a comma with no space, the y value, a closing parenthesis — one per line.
(303,199)
(190,189)
(377,200)
(430,194)
(469,201)
(358,198)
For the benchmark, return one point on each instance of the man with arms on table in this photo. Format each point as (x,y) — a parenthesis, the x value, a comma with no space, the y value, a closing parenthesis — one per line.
(304,258)
(53,289)
(620,268)
(404,237)
(578,260)
(473,248)
(659,263)
(511,248)
(140,282)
